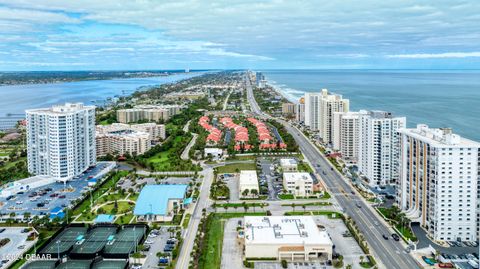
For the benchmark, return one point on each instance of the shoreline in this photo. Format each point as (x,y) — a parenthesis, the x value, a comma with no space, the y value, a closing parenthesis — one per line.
(281,92)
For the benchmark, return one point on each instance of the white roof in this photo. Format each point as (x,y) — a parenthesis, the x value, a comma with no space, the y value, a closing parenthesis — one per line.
(439,137)
(67,108)
(287,162)
(286,230)
(297,176)
(213,151)
(248,177)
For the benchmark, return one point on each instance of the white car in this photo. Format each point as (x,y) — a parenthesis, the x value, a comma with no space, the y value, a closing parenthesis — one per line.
(148,242)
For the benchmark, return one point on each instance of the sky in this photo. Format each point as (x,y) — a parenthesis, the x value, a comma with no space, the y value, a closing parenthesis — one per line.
(270,34)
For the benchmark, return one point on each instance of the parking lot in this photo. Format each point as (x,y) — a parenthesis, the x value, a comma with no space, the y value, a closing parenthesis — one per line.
(232,250)
(156,244)
(345,246)
(232,183)
(269,179)
(40,201)
(17,245)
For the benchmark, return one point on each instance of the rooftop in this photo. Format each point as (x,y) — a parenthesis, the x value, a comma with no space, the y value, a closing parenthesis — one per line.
(248,177)
(439,137)
(287,162)
(290,230)
(296,176)
(67,108)
(153,199)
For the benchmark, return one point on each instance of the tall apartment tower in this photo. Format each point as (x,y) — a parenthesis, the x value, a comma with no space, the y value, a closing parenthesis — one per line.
(378,147)
(300,110)
(319,109)
(439,180)
(329,104)
(312,110)
(61,140)
(346,134)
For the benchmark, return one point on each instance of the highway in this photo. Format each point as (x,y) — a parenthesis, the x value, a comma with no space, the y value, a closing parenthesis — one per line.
(388,253)
(191,232)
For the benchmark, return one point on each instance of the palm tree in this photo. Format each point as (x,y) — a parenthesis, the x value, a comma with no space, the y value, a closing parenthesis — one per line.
(245,207)
(304,207)
(254,192)
(235,207)
(293,205)
(262,205)
(225,207)
(245,192)
(361,259)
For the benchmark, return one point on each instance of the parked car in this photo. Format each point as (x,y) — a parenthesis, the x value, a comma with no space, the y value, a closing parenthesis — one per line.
(385,236)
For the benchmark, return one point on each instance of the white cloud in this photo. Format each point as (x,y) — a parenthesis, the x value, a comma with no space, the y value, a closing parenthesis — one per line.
(343,55)
(436,55)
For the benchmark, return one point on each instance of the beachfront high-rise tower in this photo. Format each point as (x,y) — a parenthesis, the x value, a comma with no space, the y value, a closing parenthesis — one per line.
(378,147)
(319,109)
(61,140)
(438,186)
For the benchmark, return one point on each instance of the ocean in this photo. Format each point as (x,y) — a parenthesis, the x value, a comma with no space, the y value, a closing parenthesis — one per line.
(16,99)
(445,98)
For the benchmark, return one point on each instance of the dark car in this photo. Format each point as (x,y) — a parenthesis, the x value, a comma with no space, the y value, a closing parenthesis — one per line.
(385,237)
(395,237)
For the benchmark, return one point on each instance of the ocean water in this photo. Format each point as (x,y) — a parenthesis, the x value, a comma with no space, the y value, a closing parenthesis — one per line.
(16,99)
(446,98)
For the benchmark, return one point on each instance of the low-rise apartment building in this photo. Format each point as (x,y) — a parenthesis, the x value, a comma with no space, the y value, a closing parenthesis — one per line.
(298,183)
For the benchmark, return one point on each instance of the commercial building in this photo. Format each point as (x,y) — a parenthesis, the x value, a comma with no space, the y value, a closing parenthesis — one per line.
(298,183)
(288,109)
(378,149)
(288,165)
(159,202)
(61,140)
(346,134)
(438,184)
(319,109)
(214,153)
(148,113)
(248,181)
(291,238)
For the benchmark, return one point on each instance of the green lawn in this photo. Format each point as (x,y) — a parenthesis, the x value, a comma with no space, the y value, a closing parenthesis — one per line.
(212,254)
(123,207)
(236,167)
(186,221)
(329,214)
(286,196)
(124,219)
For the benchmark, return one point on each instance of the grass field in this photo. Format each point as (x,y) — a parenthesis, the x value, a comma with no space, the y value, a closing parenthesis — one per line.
(212,254)
(123,207)
(236,167)
(329,214)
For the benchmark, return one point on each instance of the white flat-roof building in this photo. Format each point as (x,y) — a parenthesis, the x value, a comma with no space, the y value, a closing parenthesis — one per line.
(293,238)
(298,183)
(438,184)
(216,153)
(61,140)
(345,134)
(248,181)
(289,165)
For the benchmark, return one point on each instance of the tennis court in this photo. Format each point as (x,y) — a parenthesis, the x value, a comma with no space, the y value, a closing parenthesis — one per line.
(40,265)
(96,240)
(111,264)
(125,241)
(64,241)
(75,264)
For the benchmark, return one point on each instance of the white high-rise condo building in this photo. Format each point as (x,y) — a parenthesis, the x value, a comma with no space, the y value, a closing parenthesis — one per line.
(61,140)
(346,132)
(319,109)
(438,185)
(378,147)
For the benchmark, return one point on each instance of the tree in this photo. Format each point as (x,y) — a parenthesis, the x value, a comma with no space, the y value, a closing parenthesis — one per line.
(245,192)
(293,205)
(361,259)
(245,207)
(254,192)
(304,207)
(225,207)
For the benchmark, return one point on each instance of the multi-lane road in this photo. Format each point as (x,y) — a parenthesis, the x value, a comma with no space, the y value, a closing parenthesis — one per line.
(389,253)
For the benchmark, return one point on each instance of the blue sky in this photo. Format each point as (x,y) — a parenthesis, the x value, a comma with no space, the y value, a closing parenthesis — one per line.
(270,34)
